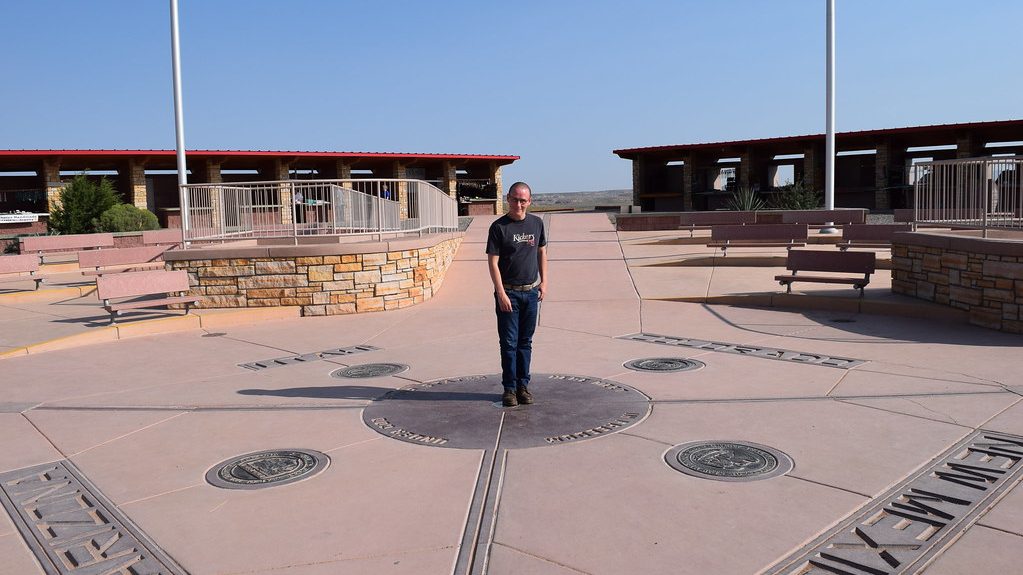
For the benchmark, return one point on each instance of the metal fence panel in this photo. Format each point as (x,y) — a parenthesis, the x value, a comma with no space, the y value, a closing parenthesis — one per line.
(293,208)
(979,193)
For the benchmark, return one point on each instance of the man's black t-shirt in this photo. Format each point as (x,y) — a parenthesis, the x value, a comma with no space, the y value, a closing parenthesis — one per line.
(516,244)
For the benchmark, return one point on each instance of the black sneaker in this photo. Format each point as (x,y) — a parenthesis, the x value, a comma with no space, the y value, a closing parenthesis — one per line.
(509,399)
(523,395)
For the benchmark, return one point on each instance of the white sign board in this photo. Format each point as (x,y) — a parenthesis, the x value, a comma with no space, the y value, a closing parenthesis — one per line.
(18,218)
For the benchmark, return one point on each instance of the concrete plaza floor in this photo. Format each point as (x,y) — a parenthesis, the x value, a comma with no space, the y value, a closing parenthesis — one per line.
(142,415)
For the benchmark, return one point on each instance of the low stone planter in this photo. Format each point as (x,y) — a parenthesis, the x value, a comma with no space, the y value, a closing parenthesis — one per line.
(322,278)
(960,269)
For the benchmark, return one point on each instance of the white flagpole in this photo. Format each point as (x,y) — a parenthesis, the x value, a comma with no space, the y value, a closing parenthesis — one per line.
(829,141)
(179,119)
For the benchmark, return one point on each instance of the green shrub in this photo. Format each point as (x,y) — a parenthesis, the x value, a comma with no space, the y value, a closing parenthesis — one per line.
(81,204)
(745,199)
(127,218)
(797,197)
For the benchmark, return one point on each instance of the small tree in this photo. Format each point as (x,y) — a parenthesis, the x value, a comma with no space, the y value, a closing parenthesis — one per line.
(126,218)
(797,196)
(81,203)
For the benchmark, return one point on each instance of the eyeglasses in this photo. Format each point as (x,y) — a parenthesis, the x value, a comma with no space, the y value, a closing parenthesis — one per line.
(519,200)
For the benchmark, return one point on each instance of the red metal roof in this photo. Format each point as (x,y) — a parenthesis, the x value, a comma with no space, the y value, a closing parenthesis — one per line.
(264,153)
(626,152)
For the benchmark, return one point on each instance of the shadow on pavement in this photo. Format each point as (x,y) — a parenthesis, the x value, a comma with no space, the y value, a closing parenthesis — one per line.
(887,329)
(373,393)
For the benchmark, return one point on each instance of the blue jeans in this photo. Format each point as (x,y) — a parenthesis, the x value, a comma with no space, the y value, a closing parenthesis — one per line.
(515,330)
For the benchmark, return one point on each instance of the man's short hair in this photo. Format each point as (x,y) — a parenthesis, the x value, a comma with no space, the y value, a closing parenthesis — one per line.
(520,187)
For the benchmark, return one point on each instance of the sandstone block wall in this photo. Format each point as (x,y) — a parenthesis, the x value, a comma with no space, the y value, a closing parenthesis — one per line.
(322,284)
(983,277)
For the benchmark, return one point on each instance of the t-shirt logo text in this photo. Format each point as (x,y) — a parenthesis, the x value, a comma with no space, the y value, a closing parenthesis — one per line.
(524,239)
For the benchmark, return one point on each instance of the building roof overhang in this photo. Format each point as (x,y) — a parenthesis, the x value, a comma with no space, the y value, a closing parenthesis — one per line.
(73,159)
(931,135)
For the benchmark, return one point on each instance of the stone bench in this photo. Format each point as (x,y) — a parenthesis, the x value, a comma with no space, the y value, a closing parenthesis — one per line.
(48,245)
(99,262)
(758,236)
(829,262)
(169,236)
(823,217)
(870,235)
(693,221)
(19,268)
(141,290)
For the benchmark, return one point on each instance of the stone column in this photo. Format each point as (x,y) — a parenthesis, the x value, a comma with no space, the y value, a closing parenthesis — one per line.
(889,173)
(967,146)
(638,180)
(208,172)
(688,176)
(813,167)
(745,176)
(882,165)
(338,170)
(449,179)
(398,173)
(277,171)
(494,174)
(50,179)
(131,177)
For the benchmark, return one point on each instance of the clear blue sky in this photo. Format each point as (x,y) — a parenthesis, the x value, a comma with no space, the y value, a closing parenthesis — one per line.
(560,83)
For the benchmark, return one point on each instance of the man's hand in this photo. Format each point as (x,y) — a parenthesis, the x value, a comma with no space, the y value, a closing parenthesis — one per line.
(542,290)
(503,302)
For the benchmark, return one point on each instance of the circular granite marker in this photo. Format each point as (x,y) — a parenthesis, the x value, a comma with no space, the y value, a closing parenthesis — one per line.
(368,370)
(664,364)
(460,412)
(728,460)
(267,468)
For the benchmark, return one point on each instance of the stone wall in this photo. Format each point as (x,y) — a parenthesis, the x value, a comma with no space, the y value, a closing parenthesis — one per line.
(372,276)
(958,269)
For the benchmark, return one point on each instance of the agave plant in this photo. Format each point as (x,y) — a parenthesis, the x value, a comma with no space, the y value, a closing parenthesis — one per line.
(745,199)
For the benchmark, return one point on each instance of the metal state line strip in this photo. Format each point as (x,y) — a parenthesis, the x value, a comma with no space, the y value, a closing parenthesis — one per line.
(73,529)
(306,357)
(904,529)
(474,549)
(805,358)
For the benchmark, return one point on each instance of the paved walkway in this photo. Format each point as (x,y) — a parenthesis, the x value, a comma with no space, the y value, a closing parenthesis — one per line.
(873,408)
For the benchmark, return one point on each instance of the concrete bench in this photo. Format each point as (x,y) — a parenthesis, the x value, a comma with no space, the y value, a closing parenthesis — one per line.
(758,236)
(168,237)
(707,220)
(948,218)
(823,217)
(99,262)
(20,268)
(870,235)
(63,244)
(146,289)
(830,262)
(904,214)
(59,245)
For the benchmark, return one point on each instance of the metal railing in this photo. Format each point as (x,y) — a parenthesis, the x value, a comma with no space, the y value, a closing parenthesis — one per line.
(969,193)
(293,208)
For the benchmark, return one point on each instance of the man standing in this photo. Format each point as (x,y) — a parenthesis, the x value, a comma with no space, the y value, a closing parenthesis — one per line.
(517,254)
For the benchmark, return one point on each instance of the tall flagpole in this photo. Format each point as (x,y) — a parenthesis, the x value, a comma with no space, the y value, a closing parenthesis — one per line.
(829,141)
(179,118)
